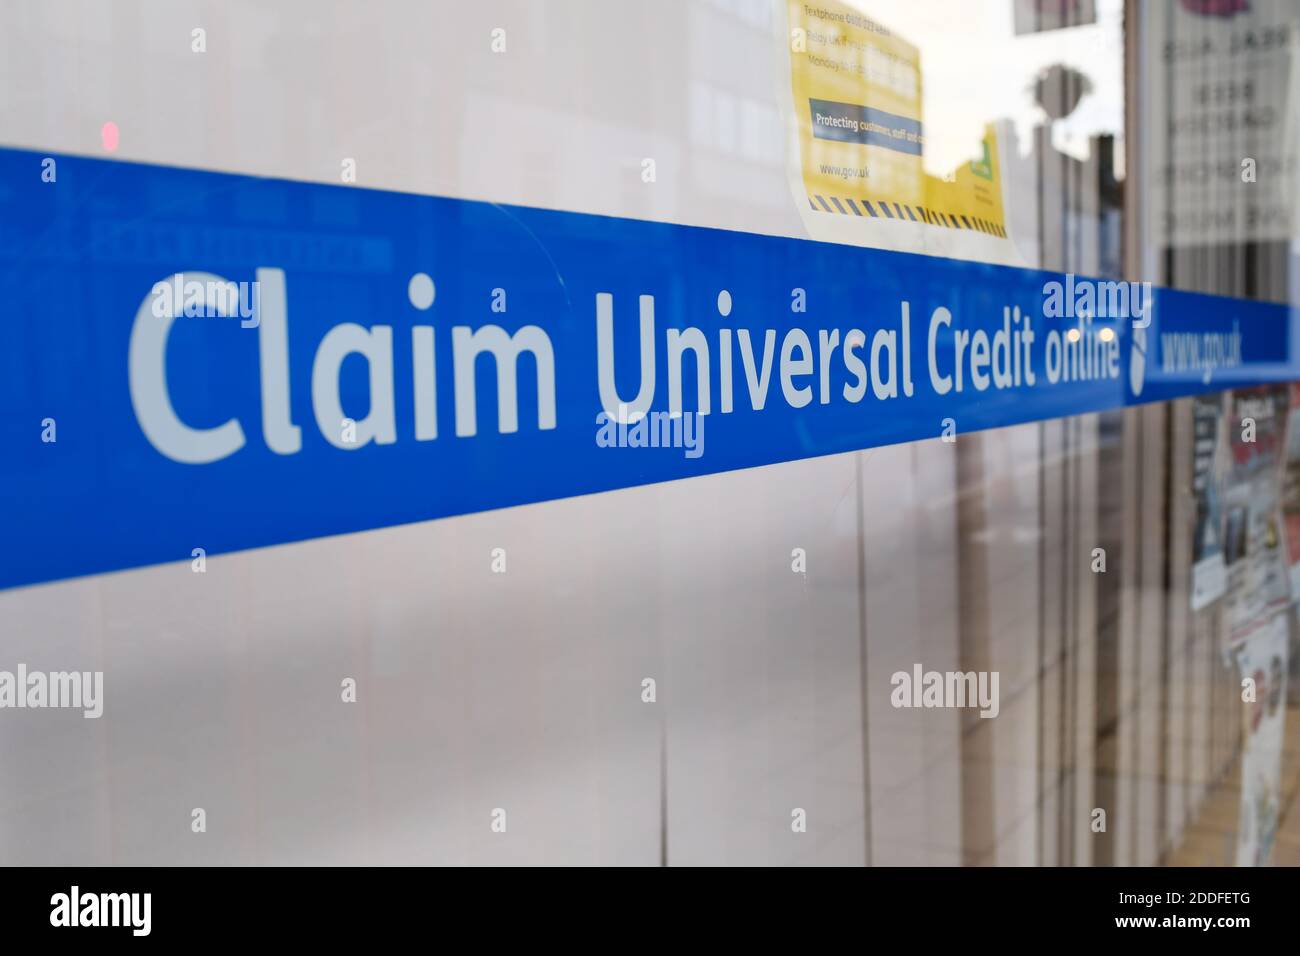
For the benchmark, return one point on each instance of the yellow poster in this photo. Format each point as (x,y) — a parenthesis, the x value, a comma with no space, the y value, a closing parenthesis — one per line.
(857,104)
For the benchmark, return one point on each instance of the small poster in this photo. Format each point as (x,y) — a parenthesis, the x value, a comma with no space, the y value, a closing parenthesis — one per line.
(1209,570)
(856,89)
(1263,659)
(1258,570)
(1223,164)
(1291,491)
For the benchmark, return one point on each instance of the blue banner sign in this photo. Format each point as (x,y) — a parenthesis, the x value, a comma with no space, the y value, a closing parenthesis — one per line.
(202,360)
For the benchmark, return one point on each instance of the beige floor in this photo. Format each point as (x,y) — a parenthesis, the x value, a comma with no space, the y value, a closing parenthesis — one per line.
(1211,839)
